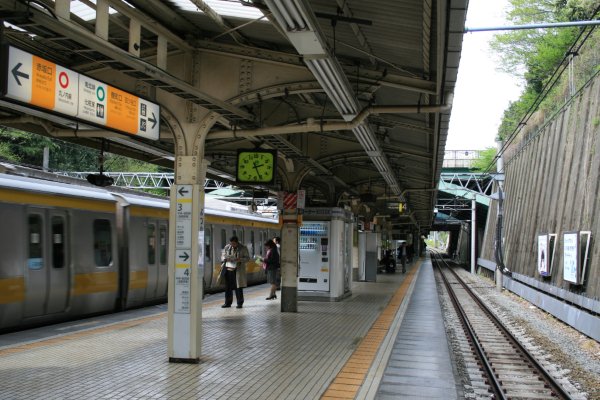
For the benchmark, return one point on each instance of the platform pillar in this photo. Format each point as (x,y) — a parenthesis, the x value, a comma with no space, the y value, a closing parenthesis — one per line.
(186,260)
(289,264)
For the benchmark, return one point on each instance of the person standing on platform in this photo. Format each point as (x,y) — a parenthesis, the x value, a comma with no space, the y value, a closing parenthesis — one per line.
(235,255)
(271,265)
(403,255)
(277,241)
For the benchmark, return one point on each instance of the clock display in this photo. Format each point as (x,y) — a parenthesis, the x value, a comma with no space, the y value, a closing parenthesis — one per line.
(256,166)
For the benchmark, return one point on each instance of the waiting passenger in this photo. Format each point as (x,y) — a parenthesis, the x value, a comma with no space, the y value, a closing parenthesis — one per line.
(235,255)
(277,241)
(403,256)
(271,265)
(388,262)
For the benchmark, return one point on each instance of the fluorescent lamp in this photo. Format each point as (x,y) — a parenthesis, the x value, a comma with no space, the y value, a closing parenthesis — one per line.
(331,91)
(335,85)
(366,138)
(299,24)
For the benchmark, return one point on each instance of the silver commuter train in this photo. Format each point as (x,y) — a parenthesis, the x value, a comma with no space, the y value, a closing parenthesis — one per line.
(68,251)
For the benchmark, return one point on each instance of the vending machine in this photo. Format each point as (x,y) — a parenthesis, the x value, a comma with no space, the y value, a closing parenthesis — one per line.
(325,248)
(314,256)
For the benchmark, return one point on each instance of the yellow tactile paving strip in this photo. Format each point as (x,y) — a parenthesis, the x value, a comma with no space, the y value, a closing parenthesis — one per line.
(109,328)
(348,381)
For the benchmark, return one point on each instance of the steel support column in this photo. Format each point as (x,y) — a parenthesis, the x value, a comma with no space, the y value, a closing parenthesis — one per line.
(289,263)
(186,241)
(473,233)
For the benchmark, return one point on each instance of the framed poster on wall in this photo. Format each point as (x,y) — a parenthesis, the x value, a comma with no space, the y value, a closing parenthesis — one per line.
(545,256)
(571,257)
(542,259)
(576,246)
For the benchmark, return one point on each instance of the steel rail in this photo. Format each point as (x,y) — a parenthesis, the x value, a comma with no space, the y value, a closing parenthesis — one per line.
(554,386)
(495,384)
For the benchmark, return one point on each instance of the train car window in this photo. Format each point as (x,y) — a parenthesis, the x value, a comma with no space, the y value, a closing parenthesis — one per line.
(261,235)
(235,234)
(102,243)
(151,244)
(252,253)
(207,245)
(58,242)
(224,239)
(36,249)
(163,244)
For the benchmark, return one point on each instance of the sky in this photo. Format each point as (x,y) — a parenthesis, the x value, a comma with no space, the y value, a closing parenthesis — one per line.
(482,92)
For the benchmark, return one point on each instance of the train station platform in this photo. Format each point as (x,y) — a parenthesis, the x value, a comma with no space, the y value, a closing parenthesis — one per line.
(385,341)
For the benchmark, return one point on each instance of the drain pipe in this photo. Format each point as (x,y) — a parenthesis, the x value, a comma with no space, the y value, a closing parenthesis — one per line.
(313,125)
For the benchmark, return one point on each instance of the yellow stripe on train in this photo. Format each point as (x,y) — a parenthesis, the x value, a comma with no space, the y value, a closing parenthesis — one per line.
(138,279)
(38,199)
(12,290)
(95,282)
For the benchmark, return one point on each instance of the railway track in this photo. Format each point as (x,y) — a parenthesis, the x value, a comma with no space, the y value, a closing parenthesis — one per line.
(509,369)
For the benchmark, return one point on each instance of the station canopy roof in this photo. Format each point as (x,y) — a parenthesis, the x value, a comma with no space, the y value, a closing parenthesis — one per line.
(359,118)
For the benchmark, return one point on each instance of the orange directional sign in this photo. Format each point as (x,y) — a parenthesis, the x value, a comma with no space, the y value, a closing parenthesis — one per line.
(44,84)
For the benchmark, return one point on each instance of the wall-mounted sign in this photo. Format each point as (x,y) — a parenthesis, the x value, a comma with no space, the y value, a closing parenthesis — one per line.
(41,83)
(183,266)
(546,247)
(183,218)
(576,246)
(571,257)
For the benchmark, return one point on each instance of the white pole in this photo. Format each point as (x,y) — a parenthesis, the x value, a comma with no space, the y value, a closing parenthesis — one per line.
(500,170)
(473,233)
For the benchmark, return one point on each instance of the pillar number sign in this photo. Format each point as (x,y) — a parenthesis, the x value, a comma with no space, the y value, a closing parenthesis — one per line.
(41,83)
(183,248)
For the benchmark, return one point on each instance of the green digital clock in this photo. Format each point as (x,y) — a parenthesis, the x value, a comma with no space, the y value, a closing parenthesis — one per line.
(256,166)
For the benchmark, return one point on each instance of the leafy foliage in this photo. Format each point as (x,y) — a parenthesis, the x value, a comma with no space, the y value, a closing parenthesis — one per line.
(535,53)
(18,146)
(485,160)
(28,149)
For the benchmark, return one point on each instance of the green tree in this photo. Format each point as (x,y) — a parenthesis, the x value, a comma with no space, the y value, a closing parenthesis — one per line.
(534,54)
(485,160)
(23,147)
(28,148)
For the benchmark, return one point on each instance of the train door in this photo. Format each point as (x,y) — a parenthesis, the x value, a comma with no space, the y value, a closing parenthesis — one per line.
(151,249)
(163,260)
(209,258)
(58,268)
(36,275)
(47,269)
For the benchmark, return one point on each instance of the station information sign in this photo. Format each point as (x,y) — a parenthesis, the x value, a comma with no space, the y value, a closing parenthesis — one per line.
(38,82)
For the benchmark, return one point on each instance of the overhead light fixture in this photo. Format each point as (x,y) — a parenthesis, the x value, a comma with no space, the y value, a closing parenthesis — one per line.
(366,138)
(333,80)
(300,25)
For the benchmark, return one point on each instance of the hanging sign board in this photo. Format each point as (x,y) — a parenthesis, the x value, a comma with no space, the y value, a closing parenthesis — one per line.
(35,81)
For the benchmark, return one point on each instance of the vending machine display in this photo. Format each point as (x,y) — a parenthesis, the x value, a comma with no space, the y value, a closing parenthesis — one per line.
(314,249)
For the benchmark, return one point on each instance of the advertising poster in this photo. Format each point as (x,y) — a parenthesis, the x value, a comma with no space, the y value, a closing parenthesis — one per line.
(543,255)
(571,257)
